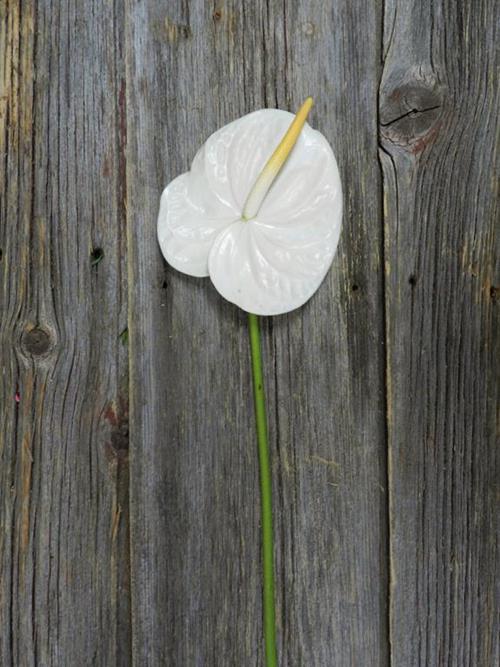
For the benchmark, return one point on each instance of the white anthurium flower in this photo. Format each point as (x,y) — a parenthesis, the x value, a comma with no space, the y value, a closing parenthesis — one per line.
(263,225)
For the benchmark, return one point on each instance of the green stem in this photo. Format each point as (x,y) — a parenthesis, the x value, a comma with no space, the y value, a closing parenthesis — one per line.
(265,494)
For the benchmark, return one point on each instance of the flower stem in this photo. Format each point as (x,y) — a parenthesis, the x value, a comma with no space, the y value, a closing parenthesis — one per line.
(265,494)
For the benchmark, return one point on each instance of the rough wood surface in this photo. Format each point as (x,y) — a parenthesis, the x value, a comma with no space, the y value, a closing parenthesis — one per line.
(438,114)
(64,592)
(381,389)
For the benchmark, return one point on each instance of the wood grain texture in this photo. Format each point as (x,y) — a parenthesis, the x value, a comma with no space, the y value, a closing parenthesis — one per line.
(64,596)
(195,509)
(382,389)
(438,113)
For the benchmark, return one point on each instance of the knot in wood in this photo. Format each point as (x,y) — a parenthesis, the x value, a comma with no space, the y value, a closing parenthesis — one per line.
(410,112)
(36,341)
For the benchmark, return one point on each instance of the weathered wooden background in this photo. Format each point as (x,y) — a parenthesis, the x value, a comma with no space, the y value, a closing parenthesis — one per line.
(128,478)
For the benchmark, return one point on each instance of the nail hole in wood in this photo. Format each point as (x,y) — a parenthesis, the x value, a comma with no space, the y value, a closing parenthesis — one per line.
(184,31)
(494,292)
(412,280)
(355,288)
(96,256)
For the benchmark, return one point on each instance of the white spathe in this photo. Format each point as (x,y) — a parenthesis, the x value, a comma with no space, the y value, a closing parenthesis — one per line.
(274,262)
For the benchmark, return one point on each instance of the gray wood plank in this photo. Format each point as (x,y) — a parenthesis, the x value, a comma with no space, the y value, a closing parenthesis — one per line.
(192,67)
(438,134)
(64,591)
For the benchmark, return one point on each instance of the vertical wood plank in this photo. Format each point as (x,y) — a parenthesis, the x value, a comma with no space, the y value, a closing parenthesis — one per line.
(328,388)
(194,508)
(64,597)
(192,67)
(438,134)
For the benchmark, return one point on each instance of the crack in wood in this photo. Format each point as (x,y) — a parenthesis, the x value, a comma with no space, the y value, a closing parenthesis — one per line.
(412,113)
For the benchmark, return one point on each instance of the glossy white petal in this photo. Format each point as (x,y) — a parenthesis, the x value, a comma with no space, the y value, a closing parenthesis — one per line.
(197,205)
(272,268)
(274,262)
(191,215)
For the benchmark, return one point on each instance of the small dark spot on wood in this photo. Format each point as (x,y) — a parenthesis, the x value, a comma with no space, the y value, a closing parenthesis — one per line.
(96,256)
(494,293)
(355,288)
(1,254)
(185,31)
(412,280)
(217,15)
(124,336)
(164,284)
(36,341)
(117,449)
(120,440)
